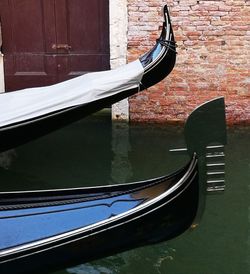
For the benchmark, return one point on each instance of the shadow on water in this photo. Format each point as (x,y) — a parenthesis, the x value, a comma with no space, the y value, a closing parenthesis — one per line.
(94,152)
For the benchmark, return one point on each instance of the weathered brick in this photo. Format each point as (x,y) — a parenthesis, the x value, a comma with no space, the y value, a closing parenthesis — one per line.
(213,60)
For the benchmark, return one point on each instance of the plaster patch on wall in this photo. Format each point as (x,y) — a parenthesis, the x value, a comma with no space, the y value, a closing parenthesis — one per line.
(118,49)
(120,110)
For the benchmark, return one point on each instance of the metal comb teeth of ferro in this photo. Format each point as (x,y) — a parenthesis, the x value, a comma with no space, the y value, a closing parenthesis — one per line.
(215,165)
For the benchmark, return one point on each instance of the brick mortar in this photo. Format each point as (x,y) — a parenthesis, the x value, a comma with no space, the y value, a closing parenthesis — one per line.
(213,59)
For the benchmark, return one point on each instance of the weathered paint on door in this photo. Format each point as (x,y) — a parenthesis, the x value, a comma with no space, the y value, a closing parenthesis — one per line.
(48,41)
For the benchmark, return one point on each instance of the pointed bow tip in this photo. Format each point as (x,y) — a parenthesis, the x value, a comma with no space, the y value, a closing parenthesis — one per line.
(166,14)
(165,9)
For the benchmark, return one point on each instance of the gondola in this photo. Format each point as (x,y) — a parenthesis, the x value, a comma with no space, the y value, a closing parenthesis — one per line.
(50,229)
(30,113)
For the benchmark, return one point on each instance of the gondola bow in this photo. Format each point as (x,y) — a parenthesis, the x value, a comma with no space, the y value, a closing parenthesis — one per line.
(30,113)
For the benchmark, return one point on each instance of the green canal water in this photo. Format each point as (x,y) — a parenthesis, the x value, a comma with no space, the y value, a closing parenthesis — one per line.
(94,151)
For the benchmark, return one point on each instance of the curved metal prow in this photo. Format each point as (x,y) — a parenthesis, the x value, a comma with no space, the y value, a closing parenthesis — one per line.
(160,60)
(206,126)
(167,34)
(205,134)
(166,14)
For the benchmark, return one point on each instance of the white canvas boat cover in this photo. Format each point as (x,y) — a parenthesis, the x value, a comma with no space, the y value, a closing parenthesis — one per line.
(29,103)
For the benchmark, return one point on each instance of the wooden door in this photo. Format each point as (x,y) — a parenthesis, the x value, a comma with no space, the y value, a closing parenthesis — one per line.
(48,41)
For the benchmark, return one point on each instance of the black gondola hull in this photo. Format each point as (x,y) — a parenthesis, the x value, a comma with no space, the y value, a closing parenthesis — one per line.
(168,217)
(29,130)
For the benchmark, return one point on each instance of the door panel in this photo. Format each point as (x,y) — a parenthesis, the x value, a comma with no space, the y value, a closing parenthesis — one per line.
(92,37)
(87,38)
(26,38)
(46,41)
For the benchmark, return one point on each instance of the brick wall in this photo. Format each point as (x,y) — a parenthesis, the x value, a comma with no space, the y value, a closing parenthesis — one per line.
(213,59)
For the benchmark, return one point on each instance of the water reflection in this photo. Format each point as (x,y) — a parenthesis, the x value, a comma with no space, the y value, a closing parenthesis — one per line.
(101,154)
(6,158)
(248,241)
(88,268)
(128,262)
(121,171)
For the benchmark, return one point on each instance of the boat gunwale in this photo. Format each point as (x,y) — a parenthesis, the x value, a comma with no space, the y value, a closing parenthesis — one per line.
(78,234)
(111,188)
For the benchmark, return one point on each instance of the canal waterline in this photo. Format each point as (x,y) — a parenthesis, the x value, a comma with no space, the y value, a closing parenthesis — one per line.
(94,151)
